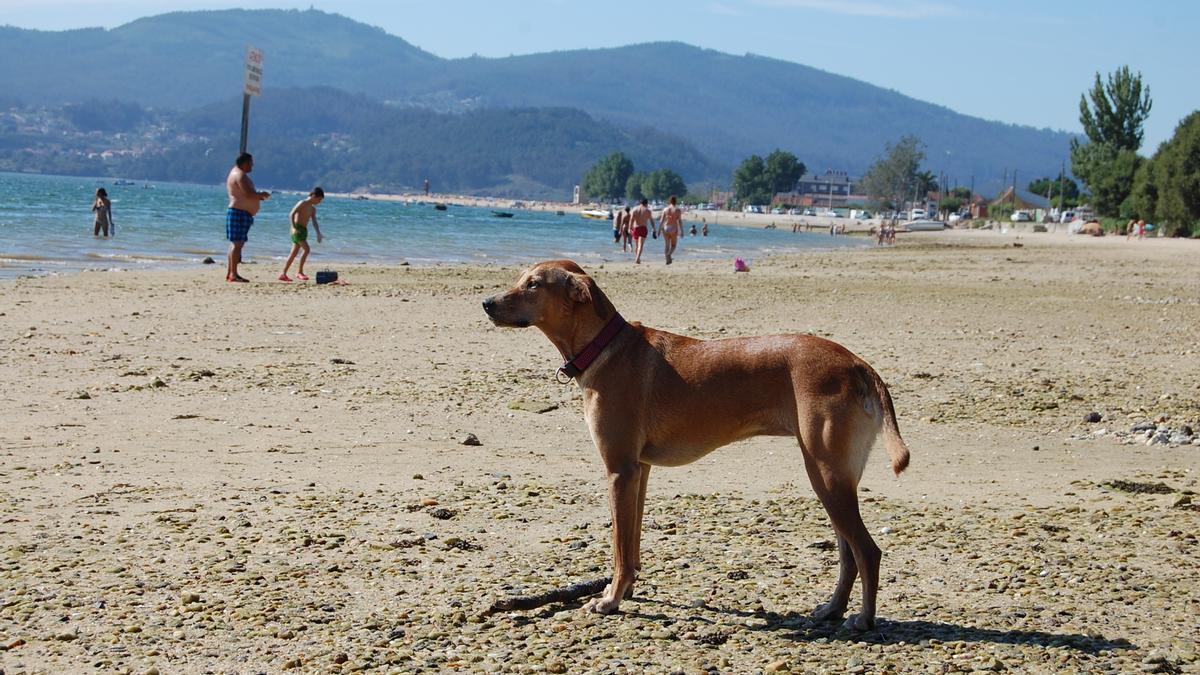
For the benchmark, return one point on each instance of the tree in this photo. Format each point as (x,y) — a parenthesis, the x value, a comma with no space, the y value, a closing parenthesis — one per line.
(1118,110)
(1108,174)
(926,183)
(662,183)
(633,187)
(1113,124)
(608,177)
(782,170)
(750,182)
(1051,187)
(892,179)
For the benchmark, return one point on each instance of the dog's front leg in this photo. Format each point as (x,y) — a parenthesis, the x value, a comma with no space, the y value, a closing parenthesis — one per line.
(624,485)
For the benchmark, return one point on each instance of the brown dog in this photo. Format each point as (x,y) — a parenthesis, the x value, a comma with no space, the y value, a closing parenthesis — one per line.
(722,391)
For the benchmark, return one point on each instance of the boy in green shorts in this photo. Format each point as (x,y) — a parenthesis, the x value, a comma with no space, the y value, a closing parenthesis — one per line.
(304,211)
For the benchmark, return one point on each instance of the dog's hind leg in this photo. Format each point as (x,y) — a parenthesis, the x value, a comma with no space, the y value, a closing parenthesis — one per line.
(835,480)
(835,609)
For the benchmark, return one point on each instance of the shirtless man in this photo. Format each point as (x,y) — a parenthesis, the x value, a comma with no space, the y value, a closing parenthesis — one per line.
(642,219)
(244,202)
(672,227)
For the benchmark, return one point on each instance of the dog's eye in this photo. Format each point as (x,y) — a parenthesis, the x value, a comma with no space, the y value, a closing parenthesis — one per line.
(531,284)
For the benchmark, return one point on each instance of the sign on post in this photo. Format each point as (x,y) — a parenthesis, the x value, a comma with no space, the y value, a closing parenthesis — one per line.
(254,72)
(252,87)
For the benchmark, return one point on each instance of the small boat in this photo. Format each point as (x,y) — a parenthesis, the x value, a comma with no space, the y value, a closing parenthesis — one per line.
(122,181)
(924,226)
(502,214)
(440,206)
(560,213)
(596,214)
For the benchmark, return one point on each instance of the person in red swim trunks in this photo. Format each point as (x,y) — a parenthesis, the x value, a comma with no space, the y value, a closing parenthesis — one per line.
(643,220)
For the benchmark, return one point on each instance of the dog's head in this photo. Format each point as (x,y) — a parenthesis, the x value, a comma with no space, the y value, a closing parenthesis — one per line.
(550,295)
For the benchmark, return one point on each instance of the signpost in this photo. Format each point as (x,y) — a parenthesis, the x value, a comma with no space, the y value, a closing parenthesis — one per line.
(252,87)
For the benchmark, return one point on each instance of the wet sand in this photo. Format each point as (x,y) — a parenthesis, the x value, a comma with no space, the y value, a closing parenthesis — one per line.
(207,477)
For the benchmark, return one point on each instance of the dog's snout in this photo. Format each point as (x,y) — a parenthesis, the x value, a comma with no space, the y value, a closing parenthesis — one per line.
(489,304)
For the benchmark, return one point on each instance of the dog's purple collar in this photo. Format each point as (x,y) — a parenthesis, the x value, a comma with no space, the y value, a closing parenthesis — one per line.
(574,367)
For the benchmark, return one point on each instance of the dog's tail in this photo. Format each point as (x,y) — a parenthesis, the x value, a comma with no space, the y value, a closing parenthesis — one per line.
(896,447)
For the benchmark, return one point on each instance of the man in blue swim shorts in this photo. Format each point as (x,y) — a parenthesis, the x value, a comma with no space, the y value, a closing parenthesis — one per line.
(244,202)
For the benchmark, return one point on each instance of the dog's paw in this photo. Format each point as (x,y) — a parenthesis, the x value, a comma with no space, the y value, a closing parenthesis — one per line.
(859,623)
(828,612)
(602,605)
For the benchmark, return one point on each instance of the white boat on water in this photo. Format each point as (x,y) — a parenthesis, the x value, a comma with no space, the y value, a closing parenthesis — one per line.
(596,214)
(924,226)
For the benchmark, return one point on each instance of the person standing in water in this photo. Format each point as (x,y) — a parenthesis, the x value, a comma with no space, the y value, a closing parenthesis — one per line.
(671,222)
(641,219)
(102,207)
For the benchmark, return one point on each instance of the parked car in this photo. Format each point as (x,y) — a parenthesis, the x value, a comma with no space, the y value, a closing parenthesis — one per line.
(1066,217)
(1021,217)
(810,212)
(830,213)
(777,211)
(917,214)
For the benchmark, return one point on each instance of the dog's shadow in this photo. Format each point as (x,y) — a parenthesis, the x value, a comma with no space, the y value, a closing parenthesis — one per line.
(802,628)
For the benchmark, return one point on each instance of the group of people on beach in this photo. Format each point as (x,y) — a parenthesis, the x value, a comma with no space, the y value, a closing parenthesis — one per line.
(244,203)
(1135,228)
(631,227)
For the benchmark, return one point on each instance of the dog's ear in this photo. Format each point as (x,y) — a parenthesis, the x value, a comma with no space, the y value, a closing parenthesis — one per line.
(577,288)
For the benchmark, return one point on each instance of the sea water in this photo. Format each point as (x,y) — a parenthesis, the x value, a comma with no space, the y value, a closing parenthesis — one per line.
(46,228)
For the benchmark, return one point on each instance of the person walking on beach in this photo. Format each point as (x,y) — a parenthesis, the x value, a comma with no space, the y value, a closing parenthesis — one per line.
(616,226)
(304,211)
(1141,228)
(626,230)
(102,207)
(672,226)
(642,220)
(244,202)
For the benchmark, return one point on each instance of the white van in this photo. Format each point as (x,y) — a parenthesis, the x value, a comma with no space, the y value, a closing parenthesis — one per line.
(917,214)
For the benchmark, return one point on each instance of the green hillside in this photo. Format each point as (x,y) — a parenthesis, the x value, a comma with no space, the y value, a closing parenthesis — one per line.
(320,135)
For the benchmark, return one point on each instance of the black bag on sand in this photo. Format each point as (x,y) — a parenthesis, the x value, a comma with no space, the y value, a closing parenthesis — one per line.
(326,277)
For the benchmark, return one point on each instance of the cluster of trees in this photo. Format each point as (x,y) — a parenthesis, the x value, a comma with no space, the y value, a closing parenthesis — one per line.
(955,199)
(757,180)
(614,178)
(1063,192)
(1164,189)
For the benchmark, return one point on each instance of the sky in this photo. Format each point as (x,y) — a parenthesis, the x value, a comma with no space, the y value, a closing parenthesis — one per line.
(1019,61)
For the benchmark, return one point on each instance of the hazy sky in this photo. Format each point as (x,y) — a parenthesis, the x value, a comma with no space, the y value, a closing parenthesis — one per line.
(1020,61)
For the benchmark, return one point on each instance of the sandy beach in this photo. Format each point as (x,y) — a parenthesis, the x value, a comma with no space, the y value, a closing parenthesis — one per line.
(209,477)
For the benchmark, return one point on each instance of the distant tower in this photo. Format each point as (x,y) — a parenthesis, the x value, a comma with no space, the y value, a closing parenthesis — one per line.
(575,196)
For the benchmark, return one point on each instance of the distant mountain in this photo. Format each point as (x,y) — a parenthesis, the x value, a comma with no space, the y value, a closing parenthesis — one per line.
(344,142)
(728,106)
